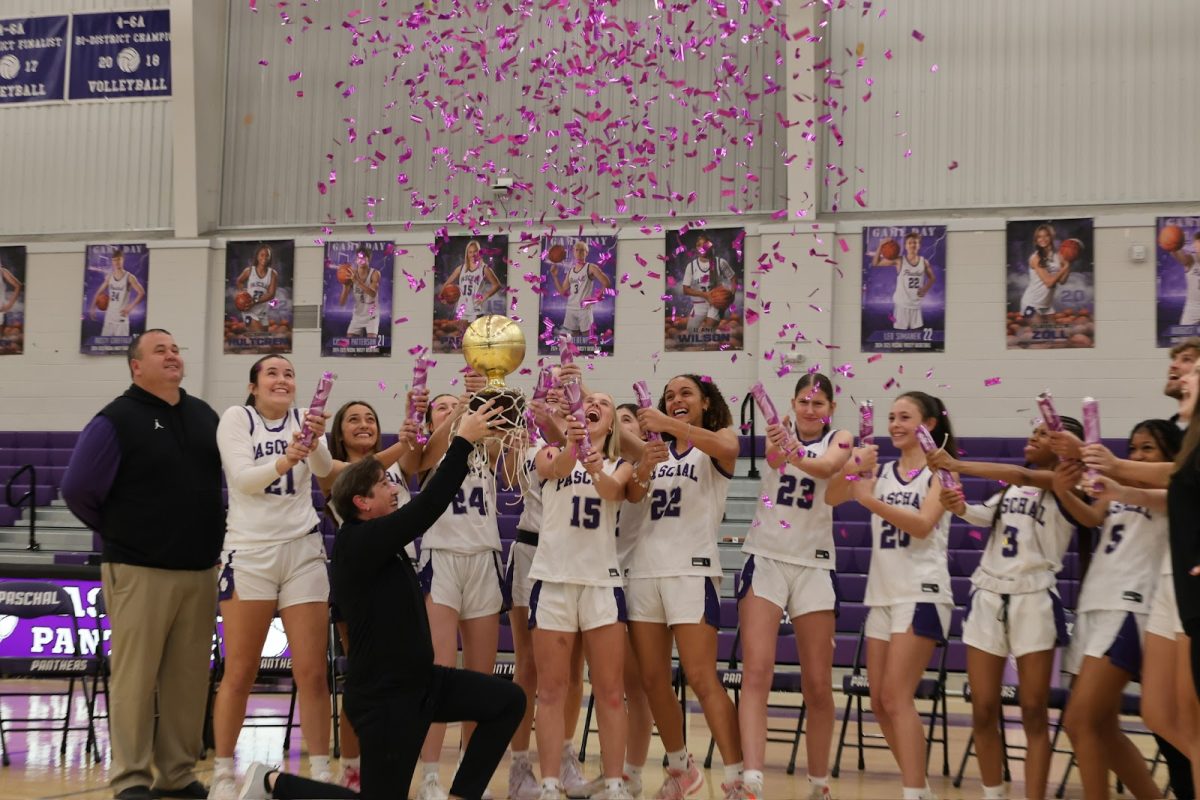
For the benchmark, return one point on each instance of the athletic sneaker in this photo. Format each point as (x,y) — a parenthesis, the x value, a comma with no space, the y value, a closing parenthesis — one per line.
(253,787)
(819,792)
(549,794)
(681,783)
(614,794)
(431,789)
(224,787)
(351,779)
(589,789)
(753,790)
(633,786)
(522,785)
(570,775)
(734,790)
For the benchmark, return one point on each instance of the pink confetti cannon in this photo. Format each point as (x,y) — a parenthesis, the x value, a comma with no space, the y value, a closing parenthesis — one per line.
(929,446)
(1091,429)
(573,391)
(317,406)
(645,400)
(763,401)
(1045,403)
(866,423)
(419,379)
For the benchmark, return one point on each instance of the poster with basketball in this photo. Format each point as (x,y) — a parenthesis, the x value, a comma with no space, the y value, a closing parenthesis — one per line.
(1178,284)
(1051,288)
(577,294)
(356,299)
(12,301)
(116,278)
(702,309)
(904,289)
(258,296)
(470,280)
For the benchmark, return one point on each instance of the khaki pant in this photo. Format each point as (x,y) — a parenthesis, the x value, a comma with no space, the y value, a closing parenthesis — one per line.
(162,628)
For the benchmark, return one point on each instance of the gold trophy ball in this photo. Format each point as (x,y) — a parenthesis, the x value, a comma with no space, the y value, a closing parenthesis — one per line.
(494,346)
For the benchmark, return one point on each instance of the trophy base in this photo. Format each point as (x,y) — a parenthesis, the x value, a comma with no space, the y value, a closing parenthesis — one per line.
(512,402)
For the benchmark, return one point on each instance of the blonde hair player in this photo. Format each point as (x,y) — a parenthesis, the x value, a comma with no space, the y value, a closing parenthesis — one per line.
(579,287)
(469,277)
(124,291)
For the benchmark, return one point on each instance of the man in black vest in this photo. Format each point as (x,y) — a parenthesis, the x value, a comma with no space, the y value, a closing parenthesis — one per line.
(146,475)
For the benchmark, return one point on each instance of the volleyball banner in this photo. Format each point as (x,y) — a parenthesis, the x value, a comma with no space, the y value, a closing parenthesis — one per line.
(116,278)
(356,299)
(702,307)
(118,55)
(33,59)
(1051,286)
(904,289)
(258,296)
(470,280)
(1177,295)
(12,301)
(577,296)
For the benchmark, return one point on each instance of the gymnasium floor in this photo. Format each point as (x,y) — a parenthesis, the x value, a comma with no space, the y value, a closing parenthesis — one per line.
(38,771)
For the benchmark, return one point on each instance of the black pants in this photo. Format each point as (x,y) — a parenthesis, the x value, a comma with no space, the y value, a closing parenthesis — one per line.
(293,787)
(391,729)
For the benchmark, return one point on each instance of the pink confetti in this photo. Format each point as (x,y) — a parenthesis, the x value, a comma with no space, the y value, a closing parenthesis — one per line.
(953,165)
(920,37)
(874,358)
(295,76)
(991,381)
(974,534)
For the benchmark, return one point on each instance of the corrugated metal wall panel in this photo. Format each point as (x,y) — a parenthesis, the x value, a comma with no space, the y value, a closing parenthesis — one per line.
(276,143)
(85,167)
(1041,104)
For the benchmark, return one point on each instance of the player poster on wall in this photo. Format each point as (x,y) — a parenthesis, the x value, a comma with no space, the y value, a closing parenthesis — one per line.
(356,304)
(1178,292)
(258,296)
(578,293)
(904,289)
(470,280)
(703,305)
(1051,291)
(12,301)
(116,278)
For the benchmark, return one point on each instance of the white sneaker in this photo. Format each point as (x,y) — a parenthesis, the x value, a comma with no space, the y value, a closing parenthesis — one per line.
(351,779)
(252,783)
(570,774)
(522,785)
(589,789)
(431,789)
(818,792)
(734,790)
(681,783)
(633,785)
(753,790)
(549,794)
(224,787)
(614,794)
(928,794)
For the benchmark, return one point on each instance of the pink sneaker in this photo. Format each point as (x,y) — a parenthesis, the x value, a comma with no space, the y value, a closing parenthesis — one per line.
(681,783)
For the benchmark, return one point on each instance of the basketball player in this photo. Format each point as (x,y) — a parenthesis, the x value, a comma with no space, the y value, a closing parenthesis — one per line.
(1190,261)
(914,278)
(1047,270)
(1014,607)
(577,590)
(674,573)
(1114,604)
(908,585)
(579,288)
(364,283)
(259,280)
(470,276)
(790,559)
(273,558)
(119,285)
(6,304)
(701,276)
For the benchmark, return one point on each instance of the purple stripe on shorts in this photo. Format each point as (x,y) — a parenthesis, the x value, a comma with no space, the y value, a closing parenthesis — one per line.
(712,604)
(927,623)
(225,584)
(1126,649)
(505,585)
(619,596)
(533,598)
(1062,638)
(426,576)
(747,577)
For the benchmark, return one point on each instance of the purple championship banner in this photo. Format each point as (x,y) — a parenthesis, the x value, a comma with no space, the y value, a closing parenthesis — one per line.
(116,278)
(704,296)
(33,59)
(117,55)
(470,280)
(904,289)
(12,301)
(1051,287)
(578,293)
(1177,256)
(54,637)
(356,299)
(258,296)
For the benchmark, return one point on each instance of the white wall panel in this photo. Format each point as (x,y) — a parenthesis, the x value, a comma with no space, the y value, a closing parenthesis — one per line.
(85,167)
(276,143)
(1041,104)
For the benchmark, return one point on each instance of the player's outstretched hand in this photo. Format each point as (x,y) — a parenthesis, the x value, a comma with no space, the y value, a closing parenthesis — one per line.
(417,402)
(651,419)
(1065,445)
(654,453)
(780,437)
(296,452)
(473,382)
(593,462)
(863,460)
(1099,458)
(316,424)
(953,501)
(474,425)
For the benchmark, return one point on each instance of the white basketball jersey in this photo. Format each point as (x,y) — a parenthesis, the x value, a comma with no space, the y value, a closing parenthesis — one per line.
(793,522)
(687,502)
(909,280)
(905,569)
(531,510)
(469,524)
(1038,294)
(365,306)
(118,296)
(699,274)
(1126,563)
(470,282)
(259,286)
(1025,550)
(578,542)
(632,523)
(284,510)
(1193,282)
(579,284)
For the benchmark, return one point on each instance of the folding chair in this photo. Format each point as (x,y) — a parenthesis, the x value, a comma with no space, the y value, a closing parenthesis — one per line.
(856,686)
(29,600)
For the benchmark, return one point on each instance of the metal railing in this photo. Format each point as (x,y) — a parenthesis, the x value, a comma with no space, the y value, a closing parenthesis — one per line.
(29,497)
(747,427)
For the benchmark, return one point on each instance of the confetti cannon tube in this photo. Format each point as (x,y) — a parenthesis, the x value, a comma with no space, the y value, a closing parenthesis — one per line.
(645,401)
(929,446)
(317,406)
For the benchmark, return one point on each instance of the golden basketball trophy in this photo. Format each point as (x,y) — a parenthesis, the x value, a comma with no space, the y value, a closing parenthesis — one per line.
(494,346)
